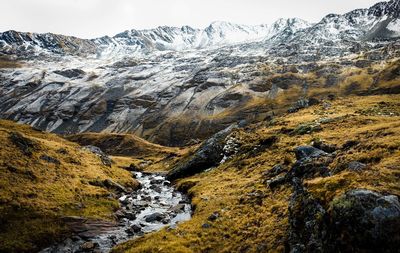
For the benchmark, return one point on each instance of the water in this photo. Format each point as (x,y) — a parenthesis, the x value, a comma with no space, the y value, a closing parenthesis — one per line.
(148,209)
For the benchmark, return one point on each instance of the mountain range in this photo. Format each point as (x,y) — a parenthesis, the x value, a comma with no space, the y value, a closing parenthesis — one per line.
(165,82)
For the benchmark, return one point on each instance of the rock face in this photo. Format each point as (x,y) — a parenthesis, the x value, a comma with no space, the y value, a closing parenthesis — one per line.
(358,221)
(209,154)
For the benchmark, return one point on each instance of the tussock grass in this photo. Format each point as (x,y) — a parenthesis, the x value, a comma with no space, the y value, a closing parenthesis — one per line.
(35,193)
(252,217)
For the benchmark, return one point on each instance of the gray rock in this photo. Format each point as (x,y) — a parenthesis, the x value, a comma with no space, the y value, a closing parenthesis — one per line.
(206,225)
(214,216)
(356,166)
(105,159)
(178,208)
(134,229)
(113,185)
(154,217)
(365,221)
(209,154)
(276,181)
(304,152)
(88,246)
(50,159)
(324,146)
(70,73)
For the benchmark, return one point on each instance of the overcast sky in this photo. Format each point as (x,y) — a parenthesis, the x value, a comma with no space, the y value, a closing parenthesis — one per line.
(94,18)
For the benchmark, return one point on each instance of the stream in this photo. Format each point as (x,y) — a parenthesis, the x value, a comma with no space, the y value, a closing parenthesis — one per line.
(155,205)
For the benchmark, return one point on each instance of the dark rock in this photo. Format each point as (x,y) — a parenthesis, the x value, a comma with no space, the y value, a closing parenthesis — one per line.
(303,152)
(306,221)
(133,167)
(156,188)
(209,154)
(134,229)
(307,128)
(275,171)
(89,246)
(276,181)
(154,217)
(113,185)
(313,101)
(50,159)
(364,221)
(311,162)
(206,225)
(178,208)
(156,181)
(300,104)
(70,73)
(324,146)
(349,144)
(356,166)
(358,221)
(62,151)
(130,215)
(27,146)
(214,216)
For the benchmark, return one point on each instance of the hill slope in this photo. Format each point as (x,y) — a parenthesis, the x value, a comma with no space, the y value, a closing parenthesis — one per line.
(44,178)
(252,203)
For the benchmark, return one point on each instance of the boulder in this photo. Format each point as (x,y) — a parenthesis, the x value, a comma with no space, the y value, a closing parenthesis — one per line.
(358,221)
(89,246)
(304,152)
(209,154)
(364,221)
(154,217)
(356,166)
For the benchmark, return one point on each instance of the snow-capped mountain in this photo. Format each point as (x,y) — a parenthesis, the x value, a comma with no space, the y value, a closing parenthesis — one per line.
(381,21)
(163,82)
(144,41)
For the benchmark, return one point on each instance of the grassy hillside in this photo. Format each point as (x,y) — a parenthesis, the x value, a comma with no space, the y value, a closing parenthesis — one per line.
(236,210)
(129,149)
(43,178)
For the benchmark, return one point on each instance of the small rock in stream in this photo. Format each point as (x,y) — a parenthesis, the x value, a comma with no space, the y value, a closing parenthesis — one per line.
(154,217)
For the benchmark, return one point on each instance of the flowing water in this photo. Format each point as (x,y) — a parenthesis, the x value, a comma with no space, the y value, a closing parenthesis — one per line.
(155,205)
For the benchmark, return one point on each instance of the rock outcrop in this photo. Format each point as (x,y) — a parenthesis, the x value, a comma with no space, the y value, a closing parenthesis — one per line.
(209,154)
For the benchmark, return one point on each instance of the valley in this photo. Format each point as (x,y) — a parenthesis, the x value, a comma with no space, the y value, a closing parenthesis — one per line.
(281,137)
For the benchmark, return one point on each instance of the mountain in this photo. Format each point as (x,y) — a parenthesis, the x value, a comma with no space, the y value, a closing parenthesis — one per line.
(176,86)
(144,41)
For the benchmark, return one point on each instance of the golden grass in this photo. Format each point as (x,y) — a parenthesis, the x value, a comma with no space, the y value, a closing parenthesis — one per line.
(255,219)
(38,192)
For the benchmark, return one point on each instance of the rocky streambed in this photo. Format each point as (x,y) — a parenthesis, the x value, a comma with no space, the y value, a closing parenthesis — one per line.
(155,205)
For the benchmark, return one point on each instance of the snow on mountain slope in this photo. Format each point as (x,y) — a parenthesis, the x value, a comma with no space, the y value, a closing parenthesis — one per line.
(148,81)
(357,25)
(145,41)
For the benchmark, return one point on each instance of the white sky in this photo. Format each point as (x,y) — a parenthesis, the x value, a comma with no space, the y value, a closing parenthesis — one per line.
(95,18)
